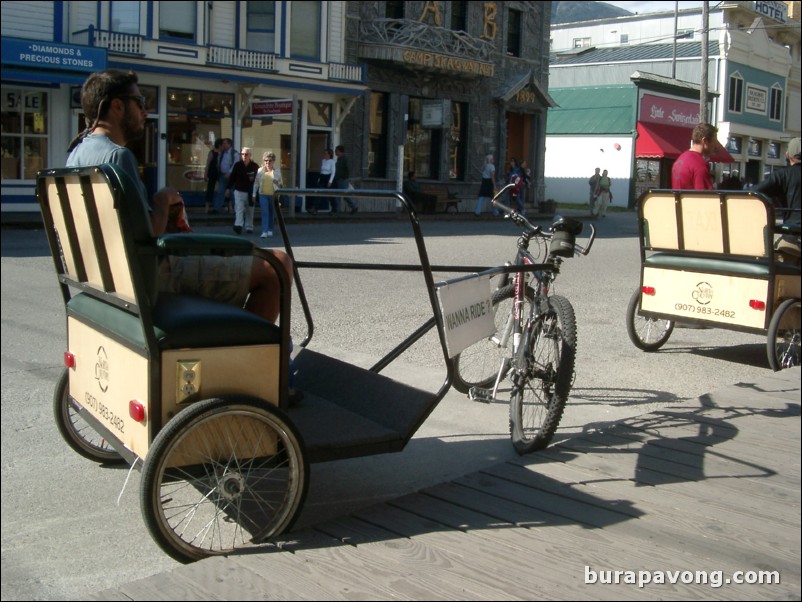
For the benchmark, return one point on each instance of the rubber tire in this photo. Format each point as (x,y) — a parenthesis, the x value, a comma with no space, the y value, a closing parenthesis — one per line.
(478,365)
(538,399)
(78,434)
(638,326)
(223,501)
(782,346)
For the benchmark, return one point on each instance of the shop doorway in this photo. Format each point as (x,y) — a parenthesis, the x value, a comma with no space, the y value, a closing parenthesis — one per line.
(519,146)
(752,173)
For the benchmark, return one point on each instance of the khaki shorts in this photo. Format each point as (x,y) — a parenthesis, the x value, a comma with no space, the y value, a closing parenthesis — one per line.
(225,279)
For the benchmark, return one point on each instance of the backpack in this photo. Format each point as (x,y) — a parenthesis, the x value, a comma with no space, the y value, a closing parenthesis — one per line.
(517,181)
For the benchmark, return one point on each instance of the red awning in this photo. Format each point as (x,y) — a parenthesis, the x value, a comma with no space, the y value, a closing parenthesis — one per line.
(658,141)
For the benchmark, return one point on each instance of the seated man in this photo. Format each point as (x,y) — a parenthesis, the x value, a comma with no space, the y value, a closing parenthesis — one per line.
(412,189)
(116,110)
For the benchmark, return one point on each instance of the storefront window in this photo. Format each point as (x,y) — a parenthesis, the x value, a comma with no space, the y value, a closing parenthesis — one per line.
(456,142)
(24,133)
(319,114)
(271,133)
(422,150)
(194,121)
(377,151)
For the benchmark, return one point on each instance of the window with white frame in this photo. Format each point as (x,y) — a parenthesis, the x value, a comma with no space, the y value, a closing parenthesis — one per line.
(261,23)
(24,140)
(735,96)
(776,104)
(305,22)
(624,38)
(177,20)
(581,42)
(124,16)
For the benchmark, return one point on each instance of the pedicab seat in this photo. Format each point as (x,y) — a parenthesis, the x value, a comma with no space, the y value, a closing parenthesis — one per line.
(180,321)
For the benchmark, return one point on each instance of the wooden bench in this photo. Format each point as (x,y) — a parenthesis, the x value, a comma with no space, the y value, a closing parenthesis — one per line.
(445,200)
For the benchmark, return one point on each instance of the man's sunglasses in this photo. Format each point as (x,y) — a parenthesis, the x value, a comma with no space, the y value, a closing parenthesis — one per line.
(140,100)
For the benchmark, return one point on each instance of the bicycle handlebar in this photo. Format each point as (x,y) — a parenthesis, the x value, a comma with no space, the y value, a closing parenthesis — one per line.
(529,227)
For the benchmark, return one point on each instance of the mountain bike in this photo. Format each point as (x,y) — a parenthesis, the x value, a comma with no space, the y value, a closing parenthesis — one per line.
(535,340)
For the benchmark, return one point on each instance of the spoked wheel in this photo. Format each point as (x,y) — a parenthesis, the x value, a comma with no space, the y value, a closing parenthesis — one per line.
(76,431)
(647,334)
(542,384)
(224,474)
(478,365)
(782,346)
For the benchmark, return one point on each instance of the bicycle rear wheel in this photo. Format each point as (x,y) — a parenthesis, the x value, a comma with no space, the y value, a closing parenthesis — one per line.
(542,381)
(478,365)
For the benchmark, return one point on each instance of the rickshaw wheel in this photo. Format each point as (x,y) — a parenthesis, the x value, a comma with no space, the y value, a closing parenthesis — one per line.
(782,346)
(647,334)
(78,434)
(222,475)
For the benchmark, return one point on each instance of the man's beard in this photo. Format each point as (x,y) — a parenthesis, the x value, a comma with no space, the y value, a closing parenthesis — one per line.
(133,129)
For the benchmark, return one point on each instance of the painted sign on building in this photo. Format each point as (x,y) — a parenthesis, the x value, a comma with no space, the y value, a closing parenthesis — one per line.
(50,55)
(668,111)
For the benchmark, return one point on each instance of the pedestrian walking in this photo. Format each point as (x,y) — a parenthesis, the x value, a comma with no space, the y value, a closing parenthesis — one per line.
(211,173)
(342,177)
(488,187)
(268,178)
(691,171)
(241,181)
(603,196)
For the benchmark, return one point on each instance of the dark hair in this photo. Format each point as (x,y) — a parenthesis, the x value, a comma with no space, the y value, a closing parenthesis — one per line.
(98,91)
(218,143)
(340,148)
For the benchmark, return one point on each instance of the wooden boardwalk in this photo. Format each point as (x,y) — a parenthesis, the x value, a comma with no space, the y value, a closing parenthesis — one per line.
(700,496)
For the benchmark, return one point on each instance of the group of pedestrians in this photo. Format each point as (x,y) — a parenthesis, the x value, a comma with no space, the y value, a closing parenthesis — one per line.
(601,194)
(517,174)
(230,173)
(335,174)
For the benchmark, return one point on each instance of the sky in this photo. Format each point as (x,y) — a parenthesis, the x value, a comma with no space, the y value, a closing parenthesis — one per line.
(654,7)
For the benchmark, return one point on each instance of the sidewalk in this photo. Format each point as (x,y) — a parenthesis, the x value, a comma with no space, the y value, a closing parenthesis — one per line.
(700,495)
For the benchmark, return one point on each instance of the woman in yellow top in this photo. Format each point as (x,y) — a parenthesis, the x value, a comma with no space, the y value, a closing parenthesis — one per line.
(268,178)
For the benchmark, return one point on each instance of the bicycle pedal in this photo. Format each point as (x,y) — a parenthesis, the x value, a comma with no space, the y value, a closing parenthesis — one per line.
(479,394)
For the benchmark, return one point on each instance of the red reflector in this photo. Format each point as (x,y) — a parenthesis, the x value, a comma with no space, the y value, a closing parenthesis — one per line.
(648,290)
(69,359)
(757,304)
(136,410)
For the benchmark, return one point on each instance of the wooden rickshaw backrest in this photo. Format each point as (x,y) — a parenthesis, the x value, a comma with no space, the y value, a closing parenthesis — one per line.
(707,222)
(100,233)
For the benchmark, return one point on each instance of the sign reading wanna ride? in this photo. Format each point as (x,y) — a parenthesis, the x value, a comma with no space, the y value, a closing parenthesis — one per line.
(468,312)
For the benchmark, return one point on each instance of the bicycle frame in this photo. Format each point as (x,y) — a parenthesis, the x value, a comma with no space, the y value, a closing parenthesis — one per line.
(518,326)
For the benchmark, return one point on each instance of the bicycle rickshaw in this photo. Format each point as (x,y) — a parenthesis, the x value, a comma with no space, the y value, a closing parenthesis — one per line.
(708,258)
(195,393)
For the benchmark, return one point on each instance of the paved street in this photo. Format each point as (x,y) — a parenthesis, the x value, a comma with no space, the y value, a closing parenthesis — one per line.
(70,528)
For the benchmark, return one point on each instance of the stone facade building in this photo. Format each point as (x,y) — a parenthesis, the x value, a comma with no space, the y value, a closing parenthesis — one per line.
(449,83)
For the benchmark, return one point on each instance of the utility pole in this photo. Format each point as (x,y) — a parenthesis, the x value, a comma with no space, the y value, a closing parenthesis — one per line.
(703,116)
(674,45)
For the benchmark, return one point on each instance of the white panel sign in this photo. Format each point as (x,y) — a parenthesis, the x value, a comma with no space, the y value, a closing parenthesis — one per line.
(468,312)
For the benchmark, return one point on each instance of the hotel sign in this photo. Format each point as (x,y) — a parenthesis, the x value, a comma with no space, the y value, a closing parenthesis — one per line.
(773,10)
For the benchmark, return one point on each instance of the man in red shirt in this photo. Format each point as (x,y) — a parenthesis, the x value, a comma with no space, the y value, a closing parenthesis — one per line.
(690,170)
